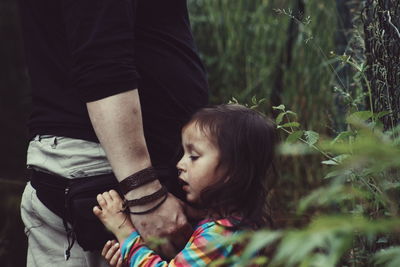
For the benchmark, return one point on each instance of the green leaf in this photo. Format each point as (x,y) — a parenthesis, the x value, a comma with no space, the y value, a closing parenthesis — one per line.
(342,136)
(328,195)
(253,107)
(256,103)
(342,157)
(280,107)
(254,100)
(290,124)
(389,257)
(359,116)
(279,118)
(293,137)
(311,137)
(295,149)
(336,160)
(329,162)
(294,114)
(233,101)
(337,173)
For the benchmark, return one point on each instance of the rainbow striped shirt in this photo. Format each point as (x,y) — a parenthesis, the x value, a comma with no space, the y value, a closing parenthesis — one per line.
(197,252)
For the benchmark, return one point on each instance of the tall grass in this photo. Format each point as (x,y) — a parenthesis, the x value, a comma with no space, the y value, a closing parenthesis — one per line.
(240,43)
(243,44)
(271,49)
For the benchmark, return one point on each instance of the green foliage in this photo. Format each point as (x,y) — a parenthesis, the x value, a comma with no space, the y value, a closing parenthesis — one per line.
(311,137)
(331,196)
(388,257)
(325,239)
(354,217)
(363,188)
(340,180)
(278,51)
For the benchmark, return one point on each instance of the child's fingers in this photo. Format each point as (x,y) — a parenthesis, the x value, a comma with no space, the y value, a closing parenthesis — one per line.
(101,201)
(115,258)
(114,195)
(119,263)
(106,247)
(97,210)
(110,253)
(107,197)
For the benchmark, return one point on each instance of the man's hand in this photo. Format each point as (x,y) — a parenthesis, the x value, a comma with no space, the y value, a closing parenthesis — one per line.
(168,221)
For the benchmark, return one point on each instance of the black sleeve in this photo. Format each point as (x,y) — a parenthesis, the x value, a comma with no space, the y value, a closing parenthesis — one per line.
(100,36)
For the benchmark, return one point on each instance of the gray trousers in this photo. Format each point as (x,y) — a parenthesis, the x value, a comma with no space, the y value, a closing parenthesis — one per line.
(47,239)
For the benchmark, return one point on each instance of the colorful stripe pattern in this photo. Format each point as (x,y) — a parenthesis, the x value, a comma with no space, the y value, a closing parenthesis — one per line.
(199,251)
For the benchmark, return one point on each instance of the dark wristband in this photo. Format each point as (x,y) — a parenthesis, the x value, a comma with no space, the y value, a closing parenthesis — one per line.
(138,179)
(127,211)
(146,199)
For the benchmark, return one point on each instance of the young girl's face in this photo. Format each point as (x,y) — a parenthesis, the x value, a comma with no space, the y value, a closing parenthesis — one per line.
(198,166)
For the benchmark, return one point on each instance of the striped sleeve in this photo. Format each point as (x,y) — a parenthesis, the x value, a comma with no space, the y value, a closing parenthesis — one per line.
(201,250)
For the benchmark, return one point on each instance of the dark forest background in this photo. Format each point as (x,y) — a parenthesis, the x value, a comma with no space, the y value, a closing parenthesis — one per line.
(14,110)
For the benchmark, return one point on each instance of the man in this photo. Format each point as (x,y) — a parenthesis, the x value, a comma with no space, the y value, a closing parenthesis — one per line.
(112,82)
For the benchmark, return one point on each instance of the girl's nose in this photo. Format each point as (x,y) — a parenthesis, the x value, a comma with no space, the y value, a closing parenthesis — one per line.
(180,165)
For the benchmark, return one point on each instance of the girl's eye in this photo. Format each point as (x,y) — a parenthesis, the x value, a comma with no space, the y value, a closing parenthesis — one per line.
(193,158)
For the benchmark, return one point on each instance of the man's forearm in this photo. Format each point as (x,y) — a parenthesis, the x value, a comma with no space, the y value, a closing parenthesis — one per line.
(117,121)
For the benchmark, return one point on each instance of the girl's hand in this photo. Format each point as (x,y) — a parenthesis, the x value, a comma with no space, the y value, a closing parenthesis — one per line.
(112,253)
(111,215)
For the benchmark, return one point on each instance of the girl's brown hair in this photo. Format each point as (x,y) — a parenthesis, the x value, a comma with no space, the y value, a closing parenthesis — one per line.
(246,141)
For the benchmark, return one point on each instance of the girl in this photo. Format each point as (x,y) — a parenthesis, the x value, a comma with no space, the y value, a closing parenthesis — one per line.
(228,150)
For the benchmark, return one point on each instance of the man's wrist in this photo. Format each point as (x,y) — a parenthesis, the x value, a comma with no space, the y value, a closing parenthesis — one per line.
(127,168)
(138,179)
(144,190)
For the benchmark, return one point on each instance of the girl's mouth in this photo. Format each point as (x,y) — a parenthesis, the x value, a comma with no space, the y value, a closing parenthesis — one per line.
(185,188)
(183,184)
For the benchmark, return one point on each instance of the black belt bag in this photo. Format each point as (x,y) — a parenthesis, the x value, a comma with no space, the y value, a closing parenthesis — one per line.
(73,200)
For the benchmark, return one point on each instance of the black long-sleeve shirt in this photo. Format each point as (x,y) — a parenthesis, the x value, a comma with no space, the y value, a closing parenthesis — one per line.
(84,50)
